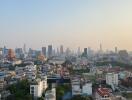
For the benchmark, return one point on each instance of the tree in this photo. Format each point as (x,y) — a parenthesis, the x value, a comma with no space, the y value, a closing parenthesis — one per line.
(20,90)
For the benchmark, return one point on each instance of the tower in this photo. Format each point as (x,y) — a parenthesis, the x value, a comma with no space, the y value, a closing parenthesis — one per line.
(44,51)
(85,51)
(116,50)
(101,48)
(61,49)
(49,50)
(24,48)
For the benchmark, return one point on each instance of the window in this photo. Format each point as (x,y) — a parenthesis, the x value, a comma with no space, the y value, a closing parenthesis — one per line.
(32,92)
(32,88)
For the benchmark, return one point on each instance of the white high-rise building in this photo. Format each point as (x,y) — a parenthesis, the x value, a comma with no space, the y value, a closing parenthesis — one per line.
(112,79)
(37,87)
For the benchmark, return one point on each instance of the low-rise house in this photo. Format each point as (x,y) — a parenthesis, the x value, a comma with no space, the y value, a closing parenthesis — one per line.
(103,94)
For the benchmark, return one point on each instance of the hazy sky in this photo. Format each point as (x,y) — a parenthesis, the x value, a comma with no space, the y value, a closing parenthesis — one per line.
(72,23)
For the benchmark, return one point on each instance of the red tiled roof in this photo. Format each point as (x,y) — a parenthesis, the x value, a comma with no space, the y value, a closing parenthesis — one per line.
(103,91)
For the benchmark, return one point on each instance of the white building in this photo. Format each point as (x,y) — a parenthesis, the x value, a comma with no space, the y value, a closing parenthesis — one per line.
(87,89)
(50,94)
(37,87)
(76,87)
(30,71)
(112,79)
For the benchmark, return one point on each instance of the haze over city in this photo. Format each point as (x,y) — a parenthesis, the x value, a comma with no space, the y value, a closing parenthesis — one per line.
(65,50)
(68,22)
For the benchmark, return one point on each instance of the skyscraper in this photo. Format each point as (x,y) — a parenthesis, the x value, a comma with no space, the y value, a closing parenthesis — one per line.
(116,50)
(61,49)
(85,51)
(49,50)
(24,48)
(44,51)
(78,51)
(5,51)
(101,48)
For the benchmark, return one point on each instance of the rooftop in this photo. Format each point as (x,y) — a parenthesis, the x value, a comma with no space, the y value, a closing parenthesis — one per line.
(103,91)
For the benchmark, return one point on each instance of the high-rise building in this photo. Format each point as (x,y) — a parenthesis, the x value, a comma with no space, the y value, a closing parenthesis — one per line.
(49,50)
(5,51)
(85,51)
(18,51)
(24,48)
(101,48)
(61,49)
(0,51)
(116,50)
(37,86)
(57,51)
(123,54)
(79,51)
(44,51)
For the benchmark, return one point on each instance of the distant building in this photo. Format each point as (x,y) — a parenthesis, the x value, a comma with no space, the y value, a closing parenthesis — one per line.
(0,51)
(61,49)
(24,48)
(44,51)
(101,48)
(11,54)
(78,51)
(112,79)
(5,51)
(124,56)
(18,52)
(50,51)
(116,50)
(85,51)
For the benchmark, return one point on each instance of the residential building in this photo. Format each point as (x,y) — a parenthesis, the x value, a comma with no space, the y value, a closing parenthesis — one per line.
(112,79)
(76,87)
(2,84)
(87,88)
(30,71)
(37,87)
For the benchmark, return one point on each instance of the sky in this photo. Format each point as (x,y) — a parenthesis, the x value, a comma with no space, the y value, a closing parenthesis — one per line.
(72,23)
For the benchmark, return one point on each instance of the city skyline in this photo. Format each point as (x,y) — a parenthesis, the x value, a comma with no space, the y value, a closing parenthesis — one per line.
(70,23)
